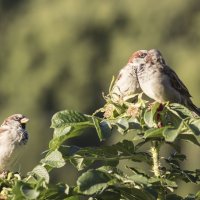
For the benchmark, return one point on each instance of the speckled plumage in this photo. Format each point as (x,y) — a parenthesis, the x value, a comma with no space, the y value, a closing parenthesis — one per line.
(159,82)
(13,136)
(126,83)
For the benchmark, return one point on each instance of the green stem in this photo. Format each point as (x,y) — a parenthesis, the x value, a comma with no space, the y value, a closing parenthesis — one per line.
(155,156)
(155,148)
(103,158)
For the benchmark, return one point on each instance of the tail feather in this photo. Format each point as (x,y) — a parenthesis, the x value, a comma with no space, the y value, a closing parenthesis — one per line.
(194,108)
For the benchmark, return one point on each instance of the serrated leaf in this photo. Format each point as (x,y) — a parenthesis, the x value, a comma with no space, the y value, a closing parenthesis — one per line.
(68,124)
(54,160)
(40,172)
(67,118)
(93,181)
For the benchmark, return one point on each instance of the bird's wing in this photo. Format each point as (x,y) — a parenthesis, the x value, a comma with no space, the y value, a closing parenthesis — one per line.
(176,82)
(3,128)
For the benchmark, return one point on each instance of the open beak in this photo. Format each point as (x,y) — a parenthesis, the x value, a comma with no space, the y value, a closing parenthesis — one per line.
(24,120)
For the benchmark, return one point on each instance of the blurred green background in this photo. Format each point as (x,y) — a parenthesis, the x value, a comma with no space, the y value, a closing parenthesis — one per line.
(61,54)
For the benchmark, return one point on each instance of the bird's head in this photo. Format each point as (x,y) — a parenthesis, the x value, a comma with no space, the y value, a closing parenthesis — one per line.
(16,119)
(154,56)
(16,127)
(138,56)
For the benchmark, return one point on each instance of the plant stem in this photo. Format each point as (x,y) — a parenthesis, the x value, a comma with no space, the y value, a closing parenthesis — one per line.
(155,147)
(155,156)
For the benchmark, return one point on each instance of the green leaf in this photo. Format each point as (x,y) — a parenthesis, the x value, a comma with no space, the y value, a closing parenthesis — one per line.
(67,118)
(149,115)
(190,138)
(134,124)
(16,190)
(54,159)
(169,183)
(135,194)
(40,172)
(105,128)
(140,179)
(122,125)
(194,125)
(93,181)
(64,135)
(154,133)
(72,198)
(170,134)
(57,192)
(108,155)
(68,124)
(180,110)
(191,197)
(29,193)
(81,162)
(102,128)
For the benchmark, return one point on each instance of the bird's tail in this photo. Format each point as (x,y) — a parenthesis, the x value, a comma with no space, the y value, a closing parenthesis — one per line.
(194,108)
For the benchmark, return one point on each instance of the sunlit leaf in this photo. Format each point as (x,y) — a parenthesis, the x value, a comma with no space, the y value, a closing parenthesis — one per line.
(54,159)
(41,172)
(154,133)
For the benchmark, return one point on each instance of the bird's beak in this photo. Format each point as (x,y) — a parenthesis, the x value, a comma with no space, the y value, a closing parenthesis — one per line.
(24,120)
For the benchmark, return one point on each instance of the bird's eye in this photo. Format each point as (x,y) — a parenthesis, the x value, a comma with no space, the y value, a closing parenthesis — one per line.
(142,55)
(17,118)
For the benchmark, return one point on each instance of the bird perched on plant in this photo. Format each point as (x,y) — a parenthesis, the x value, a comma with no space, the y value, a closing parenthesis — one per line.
(159,82)
(126,83)
(13,136)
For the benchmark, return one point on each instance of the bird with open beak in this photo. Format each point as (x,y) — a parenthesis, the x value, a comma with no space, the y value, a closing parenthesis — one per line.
(13,137)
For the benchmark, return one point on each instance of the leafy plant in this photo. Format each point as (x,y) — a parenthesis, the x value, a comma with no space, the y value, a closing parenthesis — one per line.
(149,126)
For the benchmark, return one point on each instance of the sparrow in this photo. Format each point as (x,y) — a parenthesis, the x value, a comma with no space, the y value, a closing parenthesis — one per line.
(159,82)
(127,83)
(13,136)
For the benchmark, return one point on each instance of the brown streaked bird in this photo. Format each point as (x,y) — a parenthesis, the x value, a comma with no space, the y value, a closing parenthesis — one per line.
(126,83)
(159,82)
(13,136)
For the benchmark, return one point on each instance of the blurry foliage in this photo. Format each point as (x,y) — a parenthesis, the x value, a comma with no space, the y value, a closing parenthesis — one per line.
(62,54)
